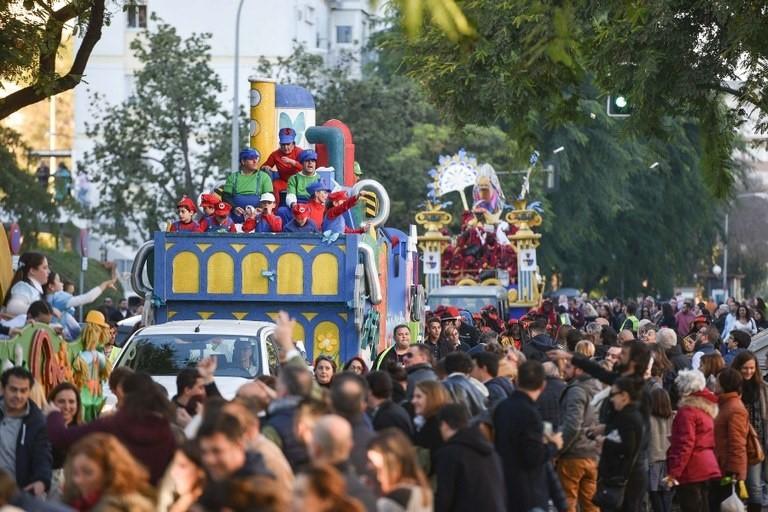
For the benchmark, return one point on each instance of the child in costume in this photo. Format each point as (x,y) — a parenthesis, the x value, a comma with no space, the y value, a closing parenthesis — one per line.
(285,160)
(318,192)
(186,209)
(262,220)
(208,204)
(221,221)
(301,223)
(90,368)
(334,217)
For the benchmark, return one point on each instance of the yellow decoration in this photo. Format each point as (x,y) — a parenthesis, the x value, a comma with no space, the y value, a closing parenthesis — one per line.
(343,316)
(168,245)
(290,274)
(171,314)
(221,273)
(251,268)
(186,273)
(205,315)
(307,247)
(202,246)
(325,275)
(309,316)
(263,136)
(271,247)
(326,341)
(237,247)
(239,315)
(512,295)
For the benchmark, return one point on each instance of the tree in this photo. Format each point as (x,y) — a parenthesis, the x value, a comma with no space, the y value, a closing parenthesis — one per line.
(532,62)
(168,139)
(32,35)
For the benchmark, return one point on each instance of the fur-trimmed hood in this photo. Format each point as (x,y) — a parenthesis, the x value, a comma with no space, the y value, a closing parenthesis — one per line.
(704,400)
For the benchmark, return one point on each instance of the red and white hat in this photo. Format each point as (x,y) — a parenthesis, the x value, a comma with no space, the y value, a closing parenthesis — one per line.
(211,199)
(300,211)
(222,208)
(339,195)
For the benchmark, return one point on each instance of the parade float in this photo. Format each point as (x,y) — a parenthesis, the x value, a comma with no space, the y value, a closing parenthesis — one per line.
(346,291)
(496,243)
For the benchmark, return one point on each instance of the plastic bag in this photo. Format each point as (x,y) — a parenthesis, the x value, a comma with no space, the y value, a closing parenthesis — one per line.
(732,503)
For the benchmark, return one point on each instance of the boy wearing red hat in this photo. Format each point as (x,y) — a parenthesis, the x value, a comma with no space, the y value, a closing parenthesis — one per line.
(285,160)
(186,209)
(301,223)
(334,216)
(221,222)
(208,204)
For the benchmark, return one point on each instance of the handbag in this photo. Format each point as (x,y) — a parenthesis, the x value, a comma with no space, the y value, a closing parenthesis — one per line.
(755,453)
(610,494)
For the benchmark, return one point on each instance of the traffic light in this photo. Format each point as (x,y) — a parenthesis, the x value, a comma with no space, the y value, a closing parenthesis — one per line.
(618,106)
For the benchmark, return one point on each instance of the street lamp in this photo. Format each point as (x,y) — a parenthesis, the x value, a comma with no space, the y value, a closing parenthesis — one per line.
(235,105)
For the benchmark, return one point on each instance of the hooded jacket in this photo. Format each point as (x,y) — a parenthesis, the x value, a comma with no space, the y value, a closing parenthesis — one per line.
(538,347)
(469,474)
(463,391)
(691,454)
(149,438)
(731,429)
(576,415)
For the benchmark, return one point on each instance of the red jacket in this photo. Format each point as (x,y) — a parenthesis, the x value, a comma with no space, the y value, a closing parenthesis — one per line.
(284,170)
(316,211)
(691,454)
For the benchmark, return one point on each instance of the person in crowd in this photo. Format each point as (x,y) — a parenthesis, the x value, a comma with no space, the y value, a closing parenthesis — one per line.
(659,493)
(222,438)
(242,358)
(428,397)
(731,430)
(667,318)
(67,398)
(461,387)
(349,397)
(585,348)
(300,223)
(122,309)
(115,383)
(577,459)
(707,341)
(737,342)
(711,365)
(403,484)
(356,365)
(395,352)
(142,424)
(25,451)
(331,444)
(435,339)
(190,391)
(245,186)
(754,395)
(647,332)
(622,446)
(285,160)
(335,218)
(469,474)
(100,474)
(662,371)
(184,480)
(486,370)
(296,189)
(318,197)
(325,369)
(65,303)
(761,322)
(263,218)
(383,411)
(631,322)
(540,342)
(294,384)
(521,442)
(549,401)
(452,339)
(667,339)
(744,321)
(684,319)
(221,221)
(322,488)
(691,460)
(27,285)
(418,366)
(186,210)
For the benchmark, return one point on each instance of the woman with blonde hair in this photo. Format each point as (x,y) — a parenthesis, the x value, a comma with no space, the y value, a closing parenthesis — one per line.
(428,397)
(404,486)
(585,348)
(101,475)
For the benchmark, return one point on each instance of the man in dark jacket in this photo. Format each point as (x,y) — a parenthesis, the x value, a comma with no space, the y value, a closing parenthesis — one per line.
(521,444)
(540,343)
(469,474)
(434,339)
(549,401)
(332,444)
(349,400)
(577,464)
(486,370)
(462,389)
(667,339)
(25,451)
(418,364)
(384,412)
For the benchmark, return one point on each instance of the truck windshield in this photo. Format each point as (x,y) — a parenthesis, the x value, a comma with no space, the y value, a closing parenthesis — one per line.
(471,304)
(166,354)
